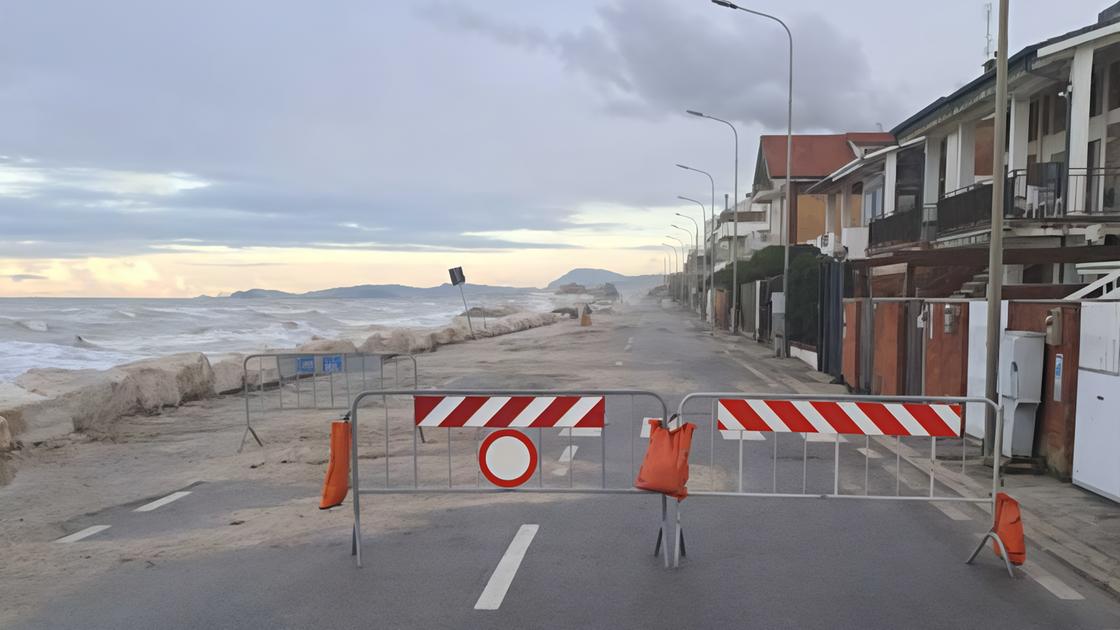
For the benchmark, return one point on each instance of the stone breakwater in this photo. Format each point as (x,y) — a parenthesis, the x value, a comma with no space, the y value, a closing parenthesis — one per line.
(43,404)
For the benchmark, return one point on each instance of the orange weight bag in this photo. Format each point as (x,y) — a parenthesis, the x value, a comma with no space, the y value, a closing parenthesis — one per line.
(665,467)
(337,482)
(1009,527)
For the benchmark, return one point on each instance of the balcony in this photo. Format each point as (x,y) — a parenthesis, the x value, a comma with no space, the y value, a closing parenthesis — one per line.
(895,229)
(1036,194)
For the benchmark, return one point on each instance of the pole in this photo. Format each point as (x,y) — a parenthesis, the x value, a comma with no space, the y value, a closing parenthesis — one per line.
(783,350)
(696,240)
(692,279)
(995,248)
(468,311)
(710,235)
(684,262)
(734,227)
(672,268)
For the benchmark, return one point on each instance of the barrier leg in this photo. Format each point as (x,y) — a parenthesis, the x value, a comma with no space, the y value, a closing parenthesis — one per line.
(657,545)
(1003,551)
(249,431)
(677,539)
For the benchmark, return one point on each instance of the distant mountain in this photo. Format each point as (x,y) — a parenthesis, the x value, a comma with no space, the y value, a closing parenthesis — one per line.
(596,277)
(375,291)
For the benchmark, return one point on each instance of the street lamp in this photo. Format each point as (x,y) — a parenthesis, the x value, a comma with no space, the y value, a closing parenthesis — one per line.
(784,350)
(696,248)
(689,275)
(711,231)
(708,234)
(684,260)
(735,226)
(673,267)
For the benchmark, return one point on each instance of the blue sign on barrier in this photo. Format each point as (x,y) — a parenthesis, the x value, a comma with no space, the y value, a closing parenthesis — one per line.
(305,365)
(332,364)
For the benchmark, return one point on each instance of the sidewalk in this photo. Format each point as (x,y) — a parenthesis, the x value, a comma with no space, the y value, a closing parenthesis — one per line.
(1079,528)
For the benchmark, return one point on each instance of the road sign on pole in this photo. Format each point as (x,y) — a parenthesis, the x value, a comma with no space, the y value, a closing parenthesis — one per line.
(458,280)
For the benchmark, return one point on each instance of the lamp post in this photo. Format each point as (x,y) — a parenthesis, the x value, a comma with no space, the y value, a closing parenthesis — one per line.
(711,234)
(709,252)
(690,275)
(672,267)
(684,260)
(696,247)
(784,349)
(735,225)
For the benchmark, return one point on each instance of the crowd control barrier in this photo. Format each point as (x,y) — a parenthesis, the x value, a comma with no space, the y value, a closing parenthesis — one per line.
(758,446)
(316,380)
(875,424)
(496,441)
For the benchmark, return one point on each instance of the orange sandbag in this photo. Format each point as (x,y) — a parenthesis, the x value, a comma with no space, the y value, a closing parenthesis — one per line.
(337,482)
(1009,528)
(665,467)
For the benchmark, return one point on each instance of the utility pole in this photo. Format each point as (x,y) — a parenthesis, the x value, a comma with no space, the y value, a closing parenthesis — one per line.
(995,248)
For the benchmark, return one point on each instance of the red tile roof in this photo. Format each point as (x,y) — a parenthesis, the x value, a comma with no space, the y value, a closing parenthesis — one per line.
(816,156)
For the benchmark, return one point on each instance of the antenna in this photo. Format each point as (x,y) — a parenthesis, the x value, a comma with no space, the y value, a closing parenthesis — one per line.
(988,52)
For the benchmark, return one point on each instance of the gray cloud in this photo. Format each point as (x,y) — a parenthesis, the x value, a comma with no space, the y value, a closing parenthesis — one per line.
(655,57)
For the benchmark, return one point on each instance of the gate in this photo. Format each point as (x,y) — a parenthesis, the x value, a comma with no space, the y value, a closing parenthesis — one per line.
(496,440)
(314,380)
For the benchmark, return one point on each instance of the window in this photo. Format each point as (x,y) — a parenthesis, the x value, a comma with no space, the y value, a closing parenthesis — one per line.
(1094,95)
(942,167)
(1060,111)
(909,174)
(1045,115)
(1032,121)
(873,199)
(1114,85)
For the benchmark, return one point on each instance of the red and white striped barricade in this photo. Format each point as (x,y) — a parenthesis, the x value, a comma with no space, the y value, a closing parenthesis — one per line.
(910,426)
(499,441)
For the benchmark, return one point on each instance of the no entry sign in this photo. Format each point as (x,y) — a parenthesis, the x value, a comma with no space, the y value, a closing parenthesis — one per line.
(507,458)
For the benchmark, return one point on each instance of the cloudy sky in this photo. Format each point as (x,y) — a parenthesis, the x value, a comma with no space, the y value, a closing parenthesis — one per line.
(172,149)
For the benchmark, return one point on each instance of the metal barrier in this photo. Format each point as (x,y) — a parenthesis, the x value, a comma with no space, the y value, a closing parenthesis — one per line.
(298,379)
(879,417)
(517,415)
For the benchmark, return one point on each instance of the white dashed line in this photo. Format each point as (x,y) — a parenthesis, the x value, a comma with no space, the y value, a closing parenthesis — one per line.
(752,436)
(502,578)
(568,453)
(85,533)
(869,453)
(580,432)
(158,503)
(1060,589)
(951,511)
(822,437)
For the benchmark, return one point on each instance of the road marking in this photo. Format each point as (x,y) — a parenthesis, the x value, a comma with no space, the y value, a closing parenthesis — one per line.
(869,453)
(822,437)
(618,363)
(158,503)
(502,578)
(85,533)
(753,436)
(568,453)
(951,511)
(580,432)
(1060,589)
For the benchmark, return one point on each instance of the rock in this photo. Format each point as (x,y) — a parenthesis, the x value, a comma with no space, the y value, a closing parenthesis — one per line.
(87,399)
(5,435)
(229,374)
(171,380)
(567,310)
(340,346)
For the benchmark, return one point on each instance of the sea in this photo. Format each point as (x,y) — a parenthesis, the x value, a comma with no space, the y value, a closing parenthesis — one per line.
(98,333)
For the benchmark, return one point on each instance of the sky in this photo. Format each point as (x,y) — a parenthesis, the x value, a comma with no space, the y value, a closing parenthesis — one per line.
(157,149)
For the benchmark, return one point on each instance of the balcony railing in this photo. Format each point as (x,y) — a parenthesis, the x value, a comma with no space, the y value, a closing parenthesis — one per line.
(897,228)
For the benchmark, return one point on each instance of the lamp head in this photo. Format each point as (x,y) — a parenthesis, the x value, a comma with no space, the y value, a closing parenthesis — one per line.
(725,3)
(693,112)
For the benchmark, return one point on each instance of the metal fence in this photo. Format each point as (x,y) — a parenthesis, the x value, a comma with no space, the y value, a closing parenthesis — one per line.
(316,380)
(761,474)
(412,467)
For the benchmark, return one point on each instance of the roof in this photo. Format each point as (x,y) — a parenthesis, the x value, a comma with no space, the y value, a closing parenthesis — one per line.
(816,156)
(1021,60)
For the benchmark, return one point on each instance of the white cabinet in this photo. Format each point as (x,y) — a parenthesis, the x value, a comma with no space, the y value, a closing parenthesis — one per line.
(1096,440)
(1100,337)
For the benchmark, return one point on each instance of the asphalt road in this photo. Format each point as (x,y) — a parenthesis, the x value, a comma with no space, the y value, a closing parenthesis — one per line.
(753,562)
